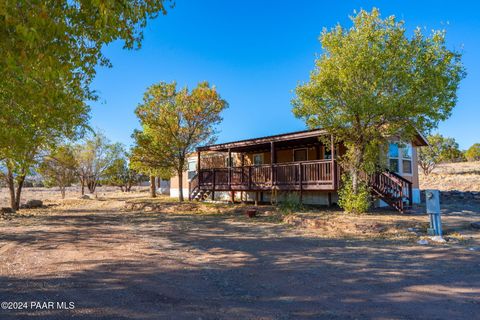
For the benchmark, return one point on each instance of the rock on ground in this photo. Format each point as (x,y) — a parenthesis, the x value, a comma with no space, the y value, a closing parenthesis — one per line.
(32,204)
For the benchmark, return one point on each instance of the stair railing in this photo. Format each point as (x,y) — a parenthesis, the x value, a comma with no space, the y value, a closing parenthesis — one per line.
(391,188)
(193,186)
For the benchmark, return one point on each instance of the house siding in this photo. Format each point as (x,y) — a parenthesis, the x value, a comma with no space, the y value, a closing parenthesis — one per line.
(283,156)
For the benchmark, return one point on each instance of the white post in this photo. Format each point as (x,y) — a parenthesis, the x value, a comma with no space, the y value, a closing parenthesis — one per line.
(433,209)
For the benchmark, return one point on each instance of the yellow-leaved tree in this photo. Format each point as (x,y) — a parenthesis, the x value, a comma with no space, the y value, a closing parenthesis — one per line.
(174,123)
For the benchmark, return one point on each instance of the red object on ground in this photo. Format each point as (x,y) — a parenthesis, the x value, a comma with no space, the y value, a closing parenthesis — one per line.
(251,213)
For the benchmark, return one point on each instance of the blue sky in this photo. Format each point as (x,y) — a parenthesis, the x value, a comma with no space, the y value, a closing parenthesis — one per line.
(256,52)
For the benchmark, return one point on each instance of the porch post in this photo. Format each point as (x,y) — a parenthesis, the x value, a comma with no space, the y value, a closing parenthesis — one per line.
(213,184)
(242,157)
(198,168)
(410,195)
(242,160)
(332,162)
(300,178)
(272,161)
(229,162)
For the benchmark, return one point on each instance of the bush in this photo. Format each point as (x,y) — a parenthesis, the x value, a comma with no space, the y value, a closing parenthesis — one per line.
(350,202)
(473,153)
(290,203)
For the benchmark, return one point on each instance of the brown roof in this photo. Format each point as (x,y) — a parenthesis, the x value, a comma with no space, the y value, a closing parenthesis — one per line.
(242,144)
(263,142)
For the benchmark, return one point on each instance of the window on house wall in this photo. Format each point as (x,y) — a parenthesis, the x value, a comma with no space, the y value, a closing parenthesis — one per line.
(192,168)
(407,159)
(228,162)
(400,158)
(327,153)
(258,159)
(300,155)
(393,157)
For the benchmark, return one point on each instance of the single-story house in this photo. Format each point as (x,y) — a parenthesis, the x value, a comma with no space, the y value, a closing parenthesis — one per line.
(297,163)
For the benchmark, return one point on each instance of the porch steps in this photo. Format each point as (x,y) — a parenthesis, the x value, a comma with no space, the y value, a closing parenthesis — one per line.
(391,188)
(398,203)
(200,194)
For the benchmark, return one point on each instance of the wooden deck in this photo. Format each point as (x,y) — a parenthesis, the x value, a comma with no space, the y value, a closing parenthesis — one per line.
(307,175)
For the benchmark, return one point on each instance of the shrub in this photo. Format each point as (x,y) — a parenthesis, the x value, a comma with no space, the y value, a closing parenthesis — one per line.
(290,203)
(473,153)
(351,202)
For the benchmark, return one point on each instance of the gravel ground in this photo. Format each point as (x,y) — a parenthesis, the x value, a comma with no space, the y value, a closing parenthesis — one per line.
(121,265)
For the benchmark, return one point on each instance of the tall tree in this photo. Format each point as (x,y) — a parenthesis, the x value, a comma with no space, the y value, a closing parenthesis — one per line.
(14,172)
(174,123)
(58,168)
(373,82)
(49,51)
(120,174)
(440,149)
(94,157)
(149,157)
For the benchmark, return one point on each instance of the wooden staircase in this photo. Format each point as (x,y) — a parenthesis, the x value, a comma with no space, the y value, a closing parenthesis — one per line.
(200,194)
(391,188)
(195,192)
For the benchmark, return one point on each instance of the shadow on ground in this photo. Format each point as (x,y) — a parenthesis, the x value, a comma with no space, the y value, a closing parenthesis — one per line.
(211,267)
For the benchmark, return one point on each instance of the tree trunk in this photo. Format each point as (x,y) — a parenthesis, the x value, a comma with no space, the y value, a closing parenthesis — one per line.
(180,185)
(11,188)
(91,186)
(358,154)
(153,191)
(62,190)
(121,188)
(83,186)
(20,182)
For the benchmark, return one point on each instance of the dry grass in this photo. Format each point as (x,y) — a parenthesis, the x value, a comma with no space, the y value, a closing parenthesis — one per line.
(322,222)
(462,176)
(52,195)
(119,264)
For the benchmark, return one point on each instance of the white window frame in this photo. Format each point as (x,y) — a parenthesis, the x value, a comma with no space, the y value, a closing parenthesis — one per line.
(400,158)
(297,149)
(332,154)
(261,157)
(229,162)
(189,161)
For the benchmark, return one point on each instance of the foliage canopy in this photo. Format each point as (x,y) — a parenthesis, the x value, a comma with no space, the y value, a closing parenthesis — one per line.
(473,153)
(372,82)
(174,123)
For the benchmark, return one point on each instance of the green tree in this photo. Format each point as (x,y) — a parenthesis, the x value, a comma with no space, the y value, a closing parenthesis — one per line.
(49,51)
(119,174)
(440,149)
(149,157)
(15,170)
(174,124)
(473,153)
(94,157)
(372,82)
(450,151)
(58,168)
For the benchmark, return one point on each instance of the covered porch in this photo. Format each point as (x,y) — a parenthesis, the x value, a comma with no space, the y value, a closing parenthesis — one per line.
(298,161)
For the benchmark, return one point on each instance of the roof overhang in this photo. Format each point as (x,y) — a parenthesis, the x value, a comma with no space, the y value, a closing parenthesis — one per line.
(307,136)
(419,140)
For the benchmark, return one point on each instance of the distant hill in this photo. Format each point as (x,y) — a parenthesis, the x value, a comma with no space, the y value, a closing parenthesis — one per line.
(462,176)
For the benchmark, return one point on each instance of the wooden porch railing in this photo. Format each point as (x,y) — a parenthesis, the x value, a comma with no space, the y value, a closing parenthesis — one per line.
(391,188)
(193,186)
(315,175)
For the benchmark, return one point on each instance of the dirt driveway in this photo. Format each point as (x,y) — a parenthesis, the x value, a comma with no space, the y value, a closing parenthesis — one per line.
(117,265)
